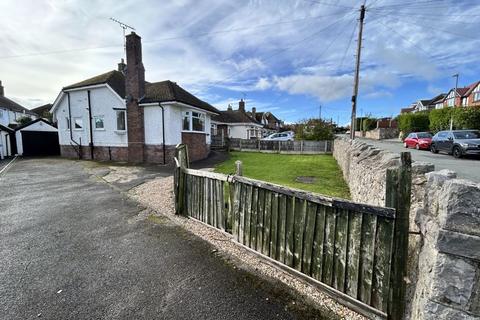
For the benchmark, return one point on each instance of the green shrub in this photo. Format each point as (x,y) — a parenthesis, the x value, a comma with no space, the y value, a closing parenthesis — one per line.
(369,124)
(413,122)
(314,129)
(440,119)
(462,118)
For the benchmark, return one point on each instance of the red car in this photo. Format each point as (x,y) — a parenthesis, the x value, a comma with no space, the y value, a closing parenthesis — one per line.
(418,140)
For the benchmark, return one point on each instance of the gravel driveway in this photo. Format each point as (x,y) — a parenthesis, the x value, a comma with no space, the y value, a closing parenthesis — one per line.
(73,247)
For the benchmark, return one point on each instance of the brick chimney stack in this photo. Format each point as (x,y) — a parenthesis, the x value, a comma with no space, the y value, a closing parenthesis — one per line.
(241,105)
(2,90)
(135,91)
(229,108)
(254,112)
(122,66)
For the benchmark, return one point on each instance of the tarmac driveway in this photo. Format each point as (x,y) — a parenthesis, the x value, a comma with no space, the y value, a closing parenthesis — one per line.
(72,247)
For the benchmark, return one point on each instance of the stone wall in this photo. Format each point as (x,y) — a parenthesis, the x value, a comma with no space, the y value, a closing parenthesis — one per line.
(444,242)
(382,133)
(448,285)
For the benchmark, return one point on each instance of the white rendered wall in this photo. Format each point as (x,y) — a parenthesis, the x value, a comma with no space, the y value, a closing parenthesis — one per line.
(103,103)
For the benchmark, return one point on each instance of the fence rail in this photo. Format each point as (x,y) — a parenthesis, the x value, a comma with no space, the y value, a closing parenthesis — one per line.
(296,147)
(346,248)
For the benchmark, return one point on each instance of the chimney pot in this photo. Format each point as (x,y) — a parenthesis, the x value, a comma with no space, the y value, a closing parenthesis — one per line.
(241,105)
(229,107)
(254,112)
(122,66)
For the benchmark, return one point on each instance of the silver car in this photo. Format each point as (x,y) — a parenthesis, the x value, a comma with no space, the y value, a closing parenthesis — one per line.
(280,136)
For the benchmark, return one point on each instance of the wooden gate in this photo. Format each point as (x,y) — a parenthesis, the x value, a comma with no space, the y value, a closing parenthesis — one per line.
(354,252)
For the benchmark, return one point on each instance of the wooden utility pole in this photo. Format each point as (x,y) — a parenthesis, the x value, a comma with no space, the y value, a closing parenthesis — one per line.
(357,71)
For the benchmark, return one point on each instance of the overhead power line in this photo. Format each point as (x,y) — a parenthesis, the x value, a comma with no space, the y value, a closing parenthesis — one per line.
(53,52)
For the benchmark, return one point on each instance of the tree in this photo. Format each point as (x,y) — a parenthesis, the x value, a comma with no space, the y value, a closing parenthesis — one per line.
(314,129)
(24,120)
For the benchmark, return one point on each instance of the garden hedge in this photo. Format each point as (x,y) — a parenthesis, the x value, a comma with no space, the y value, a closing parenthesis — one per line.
(439,119)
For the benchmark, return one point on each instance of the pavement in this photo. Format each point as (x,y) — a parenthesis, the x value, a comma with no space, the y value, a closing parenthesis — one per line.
(73,247)
(466,168)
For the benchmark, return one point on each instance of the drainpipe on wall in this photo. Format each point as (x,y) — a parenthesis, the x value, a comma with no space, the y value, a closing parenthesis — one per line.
(70,126)
(90,124)
(163,132)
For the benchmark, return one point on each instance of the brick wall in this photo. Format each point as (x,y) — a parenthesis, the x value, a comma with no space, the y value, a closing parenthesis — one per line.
(99,153)
(154,154)
(197,145)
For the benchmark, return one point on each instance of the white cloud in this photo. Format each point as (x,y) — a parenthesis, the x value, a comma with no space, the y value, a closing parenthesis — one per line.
(265,52)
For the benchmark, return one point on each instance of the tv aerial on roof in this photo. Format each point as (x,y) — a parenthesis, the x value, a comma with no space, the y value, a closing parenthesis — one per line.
(124,27)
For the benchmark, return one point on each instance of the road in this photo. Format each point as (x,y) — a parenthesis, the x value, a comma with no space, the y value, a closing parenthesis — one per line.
(71,247)
(466,168)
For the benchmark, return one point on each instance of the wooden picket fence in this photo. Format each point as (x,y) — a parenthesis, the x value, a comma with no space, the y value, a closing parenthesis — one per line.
(354,252)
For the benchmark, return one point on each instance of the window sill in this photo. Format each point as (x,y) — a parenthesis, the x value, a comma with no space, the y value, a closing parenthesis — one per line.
(120,132)
(198,132)
(99,129)
(77,129)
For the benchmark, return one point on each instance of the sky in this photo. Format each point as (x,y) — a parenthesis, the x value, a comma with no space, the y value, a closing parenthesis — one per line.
(284,56)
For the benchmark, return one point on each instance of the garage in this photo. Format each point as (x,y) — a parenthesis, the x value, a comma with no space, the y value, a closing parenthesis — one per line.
(37,138)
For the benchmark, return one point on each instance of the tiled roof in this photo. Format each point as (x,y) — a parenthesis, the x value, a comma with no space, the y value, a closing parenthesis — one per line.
(234,116)
(115,79)
(42,109)
(13,106)
(170,91)
(154,92)
(438,98)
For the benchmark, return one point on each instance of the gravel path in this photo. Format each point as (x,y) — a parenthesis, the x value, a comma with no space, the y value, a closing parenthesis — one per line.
(157,195)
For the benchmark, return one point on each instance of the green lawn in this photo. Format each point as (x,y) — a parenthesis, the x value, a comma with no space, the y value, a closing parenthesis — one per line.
(284,169)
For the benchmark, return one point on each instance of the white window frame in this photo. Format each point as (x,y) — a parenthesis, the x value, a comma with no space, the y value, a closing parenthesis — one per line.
(214,129)
(75,123)
(117,112)
(95,122)
(476,94)
(1,113)
(189,115)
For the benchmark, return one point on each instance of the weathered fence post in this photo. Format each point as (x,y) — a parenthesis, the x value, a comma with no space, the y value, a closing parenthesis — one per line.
(398,194)
(301,146)
(240,142)
(238,168)
(181,162)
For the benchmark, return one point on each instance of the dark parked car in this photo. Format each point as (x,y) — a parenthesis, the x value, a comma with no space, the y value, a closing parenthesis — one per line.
(418,140)
(457,142)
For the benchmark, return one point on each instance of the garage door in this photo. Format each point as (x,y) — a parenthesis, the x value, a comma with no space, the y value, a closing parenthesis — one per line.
(40,143)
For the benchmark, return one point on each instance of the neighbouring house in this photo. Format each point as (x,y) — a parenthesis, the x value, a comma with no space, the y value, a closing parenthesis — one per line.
(236,124)
(37,138)
(466,96)
(119,116)
(271,124)
(10,111)
(7,139)
(408,109)
(43,111)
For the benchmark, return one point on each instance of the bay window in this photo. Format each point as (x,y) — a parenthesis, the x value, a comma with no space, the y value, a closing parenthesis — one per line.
(193,121)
